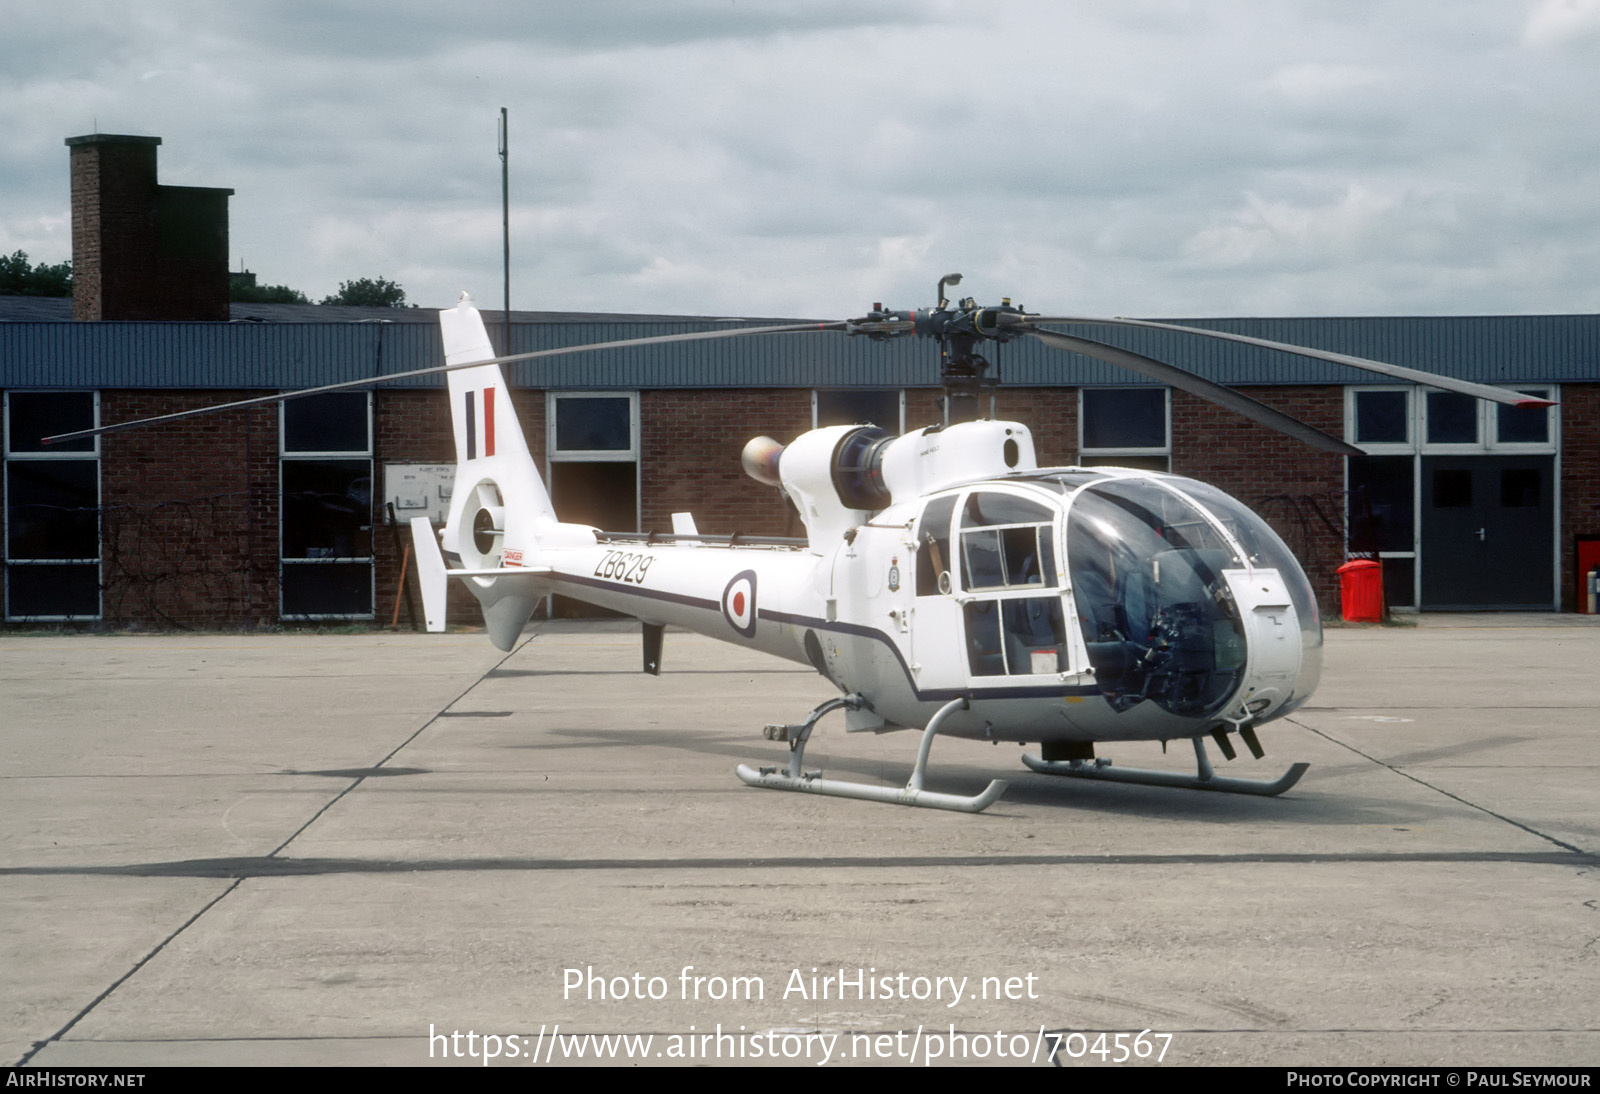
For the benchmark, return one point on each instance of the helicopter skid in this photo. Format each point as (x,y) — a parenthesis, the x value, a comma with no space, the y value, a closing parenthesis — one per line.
(796,778)
(1205,779)
(773,779)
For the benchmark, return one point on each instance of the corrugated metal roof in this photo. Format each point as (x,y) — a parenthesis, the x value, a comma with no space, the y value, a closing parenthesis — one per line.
(282,355)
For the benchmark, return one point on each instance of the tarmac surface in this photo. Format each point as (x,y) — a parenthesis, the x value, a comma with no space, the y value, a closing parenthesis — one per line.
(303,849)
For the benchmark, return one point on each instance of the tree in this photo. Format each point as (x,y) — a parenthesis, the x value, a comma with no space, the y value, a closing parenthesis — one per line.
(369,292)
(241,293)
(18,278)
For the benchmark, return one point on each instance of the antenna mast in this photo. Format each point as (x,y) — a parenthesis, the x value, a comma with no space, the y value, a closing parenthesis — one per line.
(505,218)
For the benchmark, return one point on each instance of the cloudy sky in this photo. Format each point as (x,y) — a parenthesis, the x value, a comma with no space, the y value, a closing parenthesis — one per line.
(809,157)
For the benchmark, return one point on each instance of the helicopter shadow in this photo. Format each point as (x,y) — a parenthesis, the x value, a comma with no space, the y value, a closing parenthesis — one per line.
(1305,805)
(507,674)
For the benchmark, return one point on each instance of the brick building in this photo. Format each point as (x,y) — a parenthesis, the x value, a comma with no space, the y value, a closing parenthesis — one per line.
(274,514)
(242,518)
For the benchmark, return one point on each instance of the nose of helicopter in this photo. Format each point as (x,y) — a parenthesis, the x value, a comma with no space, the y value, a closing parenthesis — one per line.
(1286,605)
(1190,601)
(1282,666)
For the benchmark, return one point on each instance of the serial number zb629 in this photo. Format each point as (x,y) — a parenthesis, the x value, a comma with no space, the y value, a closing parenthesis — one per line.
(624,566)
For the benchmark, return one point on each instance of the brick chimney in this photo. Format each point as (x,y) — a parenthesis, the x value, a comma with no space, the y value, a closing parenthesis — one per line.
(141,250)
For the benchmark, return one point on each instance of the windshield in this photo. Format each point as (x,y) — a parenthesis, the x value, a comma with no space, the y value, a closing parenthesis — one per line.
(1263,548)
(1157,617)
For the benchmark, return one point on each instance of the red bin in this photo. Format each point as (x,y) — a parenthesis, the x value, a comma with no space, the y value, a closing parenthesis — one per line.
(1361,590)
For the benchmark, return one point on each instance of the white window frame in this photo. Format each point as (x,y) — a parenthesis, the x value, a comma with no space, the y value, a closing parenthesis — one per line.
(1163,452)
(580,455)
(554,455)
(1552,428)
(1488,444)
(370,560)
(14,564)
(1383,448)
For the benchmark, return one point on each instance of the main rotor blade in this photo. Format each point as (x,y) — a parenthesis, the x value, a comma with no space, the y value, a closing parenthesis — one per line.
(1399,372)
(560,351)
(1185,380)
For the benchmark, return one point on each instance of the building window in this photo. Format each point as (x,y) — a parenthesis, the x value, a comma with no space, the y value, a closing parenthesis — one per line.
(592,445)
(1517,426)
(882,407)
(1125,427)
(1388,420)
(588,425)
(325,480)
(1382,417)
(1452,418)
(52,514)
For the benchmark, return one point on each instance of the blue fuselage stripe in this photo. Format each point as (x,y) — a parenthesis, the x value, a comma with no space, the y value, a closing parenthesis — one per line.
(1050,691)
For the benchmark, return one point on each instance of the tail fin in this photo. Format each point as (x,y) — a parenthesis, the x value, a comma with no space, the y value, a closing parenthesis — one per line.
(499,507)
(489,440)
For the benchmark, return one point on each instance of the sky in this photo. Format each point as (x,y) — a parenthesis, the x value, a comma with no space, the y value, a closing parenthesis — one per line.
(813,157)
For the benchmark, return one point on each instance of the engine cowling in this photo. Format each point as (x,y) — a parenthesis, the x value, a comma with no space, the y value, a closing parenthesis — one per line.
(838,476)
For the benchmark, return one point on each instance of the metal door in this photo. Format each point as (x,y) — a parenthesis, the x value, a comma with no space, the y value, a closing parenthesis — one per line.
(1488,532)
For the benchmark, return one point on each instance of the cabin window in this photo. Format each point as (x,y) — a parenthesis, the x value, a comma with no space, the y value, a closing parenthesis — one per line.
(325,524)
(52,514)
(1002,558)
(1007,548)
(1020,636)
(1012,545)
(933,545)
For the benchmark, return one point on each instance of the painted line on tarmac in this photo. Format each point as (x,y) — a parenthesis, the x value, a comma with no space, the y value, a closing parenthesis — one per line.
(260,866)
(1440,790)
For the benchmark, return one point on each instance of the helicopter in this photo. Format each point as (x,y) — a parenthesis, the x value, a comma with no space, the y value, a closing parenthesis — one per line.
(945,583)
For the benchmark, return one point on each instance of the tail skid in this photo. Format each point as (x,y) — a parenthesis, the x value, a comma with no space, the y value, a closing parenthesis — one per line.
(434,577)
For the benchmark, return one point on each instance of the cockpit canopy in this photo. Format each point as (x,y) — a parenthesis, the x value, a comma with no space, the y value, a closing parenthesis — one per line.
(1144,559)
(1157,615)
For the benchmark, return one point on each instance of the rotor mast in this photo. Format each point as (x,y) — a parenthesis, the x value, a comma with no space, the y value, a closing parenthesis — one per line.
(965,375)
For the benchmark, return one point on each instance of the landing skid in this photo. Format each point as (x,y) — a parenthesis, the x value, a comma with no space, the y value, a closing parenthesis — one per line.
(795,777)
(1206,779)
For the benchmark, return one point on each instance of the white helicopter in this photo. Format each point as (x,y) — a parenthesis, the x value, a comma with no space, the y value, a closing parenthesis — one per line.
(945,581)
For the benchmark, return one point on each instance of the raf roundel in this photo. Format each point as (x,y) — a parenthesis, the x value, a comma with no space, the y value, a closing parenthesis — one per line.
(739,603)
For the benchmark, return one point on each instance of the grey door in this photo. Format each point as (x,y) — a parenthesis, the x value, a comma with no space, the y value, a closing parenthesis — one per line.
(1487,532)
